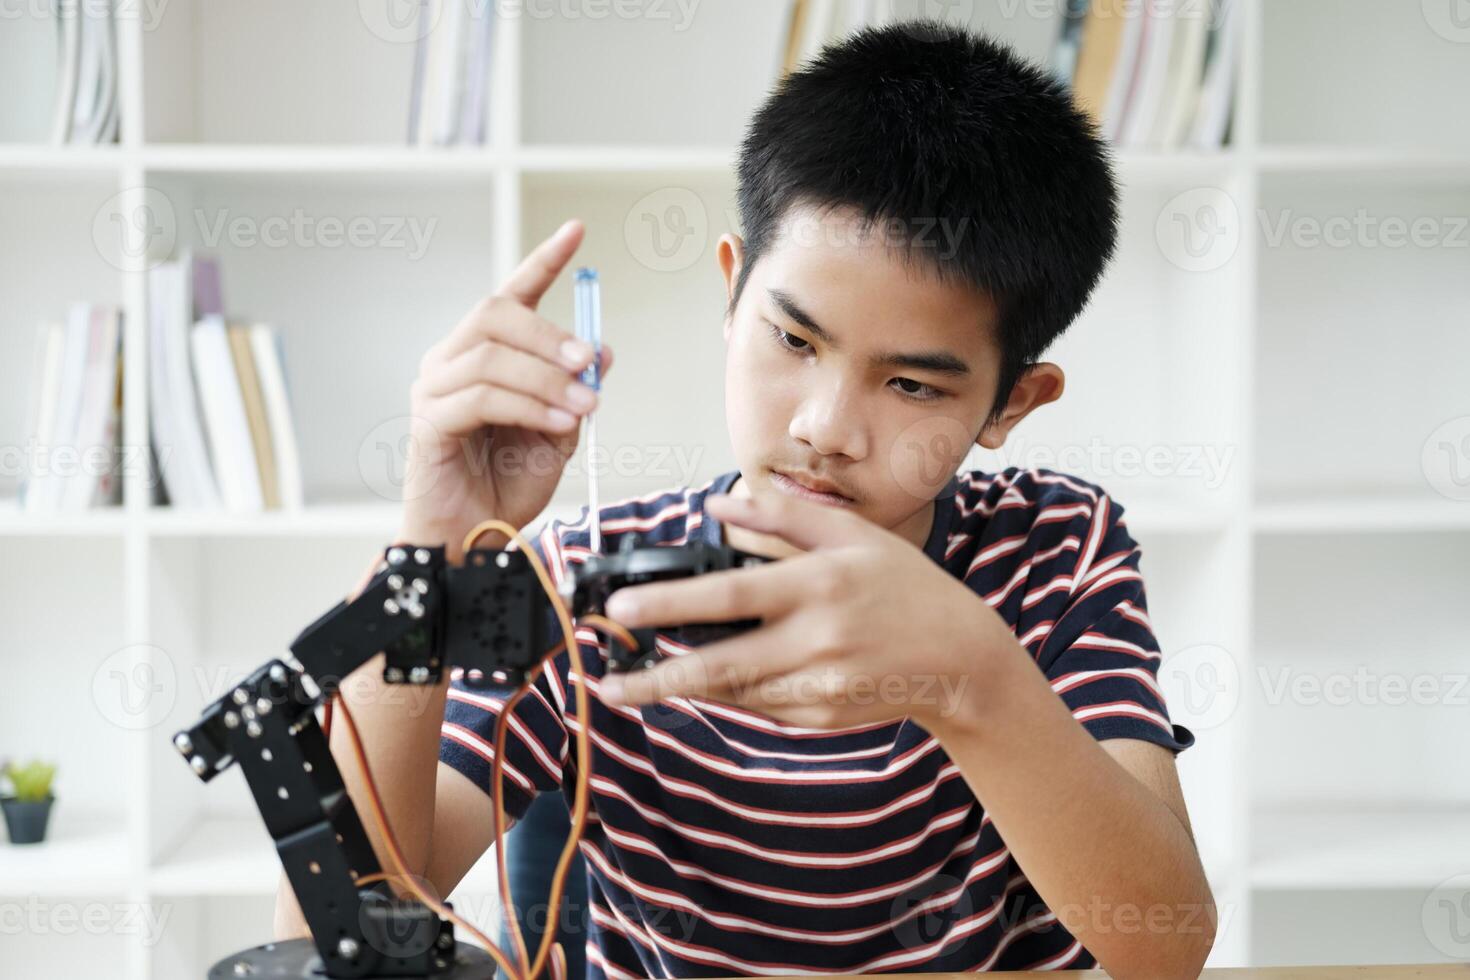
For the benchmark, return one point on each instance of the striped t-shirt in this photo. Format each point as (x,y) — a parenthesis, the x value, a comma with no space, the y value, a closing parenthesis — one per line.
(722,842)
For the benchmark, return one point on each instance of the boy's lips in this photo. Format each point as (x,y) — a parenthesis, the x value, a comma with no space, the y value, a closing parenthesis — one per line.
(814,488)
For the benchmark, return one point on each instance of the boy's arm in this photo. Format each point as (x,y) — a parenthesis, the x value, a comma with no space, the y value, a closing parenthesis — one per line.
(1099,828)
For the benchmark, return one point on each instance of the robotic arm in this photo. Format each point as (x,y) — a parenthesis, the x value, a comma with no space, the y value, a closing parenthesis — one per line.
(488,616)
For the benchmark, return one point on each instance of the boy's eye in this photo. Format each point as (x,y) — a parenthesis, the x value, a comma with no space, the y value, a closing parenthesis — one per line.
(920,392)
(789,340)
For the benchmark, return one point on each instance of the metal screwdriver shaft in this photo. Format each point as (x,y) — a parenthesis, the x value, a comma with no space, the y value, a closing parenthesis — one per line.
(588,310)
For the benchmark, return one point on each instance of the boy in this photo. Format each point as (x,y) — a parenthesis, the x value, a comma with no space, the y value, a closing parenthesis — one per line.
(923,214)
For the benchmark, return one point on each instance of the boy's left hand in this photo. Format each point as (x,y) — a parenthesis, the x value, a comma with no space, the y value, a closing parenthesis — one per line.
(861,628)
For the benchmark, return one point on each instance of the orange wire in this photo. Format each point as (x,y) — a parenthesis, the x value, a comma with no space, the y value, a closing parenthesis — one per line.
(395,855)
(497,788)
(549,949)
(584,749)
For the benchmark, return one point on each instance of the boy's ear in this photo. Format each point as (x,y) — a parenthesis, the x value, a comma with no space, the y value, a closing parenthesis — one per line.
(1041,383)
(730,253)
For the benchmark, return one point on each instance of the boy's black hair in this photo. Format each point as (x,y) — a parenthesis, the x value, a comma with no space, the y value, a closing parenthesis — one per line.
(934,126)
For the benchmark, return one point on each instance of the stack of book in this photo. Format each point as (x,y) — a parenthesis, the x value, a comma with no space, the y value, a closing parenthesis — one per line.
(1157,74)
(74,415)
(86,104)
(814,23)
(218,408)
(451,69)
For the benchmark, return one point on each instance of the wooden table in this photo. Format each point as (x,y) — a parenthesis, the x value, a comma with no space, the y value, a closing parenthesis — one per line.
(1430,971)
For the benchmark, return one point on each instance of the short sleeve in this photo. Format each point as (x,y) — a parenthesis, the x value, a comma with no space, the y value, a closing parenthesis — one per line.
(1101,656)
(536,742)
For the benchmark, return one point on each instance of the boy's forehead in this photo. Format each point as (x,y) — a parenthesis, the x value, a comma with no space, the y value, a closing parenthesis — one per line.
(864,275)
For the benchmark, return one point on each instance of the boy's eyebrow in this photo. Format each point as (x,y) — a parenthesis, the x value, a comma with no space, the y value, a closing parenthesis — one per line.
(940,362)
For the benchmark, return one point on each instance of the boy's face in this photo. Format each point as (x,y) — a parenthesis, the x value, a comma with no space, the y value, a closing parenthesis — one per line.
(846,366)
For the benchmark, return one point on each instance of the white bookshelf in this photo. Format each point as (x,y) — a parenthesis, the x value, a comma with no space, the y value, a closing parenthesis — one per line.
(1316,374)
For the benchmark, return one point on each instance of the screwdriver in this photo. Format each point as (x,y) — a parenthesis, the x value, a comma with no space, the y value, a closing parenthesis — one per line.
(587,300)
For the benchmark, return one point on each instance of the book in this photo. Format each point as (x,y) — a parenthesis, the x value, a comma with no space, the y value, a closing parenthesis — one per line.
(68,62)
(45,375)
(1069,41)
(1102,60)
(94,475)
(451,29)
(269,356)
(1216,93)
(94,107)
(47,487)
(179,292)
(482,28)
(75,413)
(260,434)
(795,32)
(1183,77)
(1150,82)
(231,449)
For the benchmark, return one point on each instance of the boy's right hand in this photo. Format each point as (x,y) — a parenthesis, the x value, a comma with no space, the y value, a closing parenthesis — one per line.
(496,409)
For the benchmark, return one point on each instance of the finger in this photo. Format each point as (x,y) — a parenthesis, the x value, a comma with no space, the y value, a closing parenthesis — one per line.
(530,280)
(470,409)
(768,591)
(507,367)
(804,524)
(502,319)
(718,671)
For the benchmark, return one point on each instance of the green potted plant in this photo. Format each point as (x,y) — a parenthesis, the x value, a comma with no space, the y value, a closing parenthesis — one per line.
(28,803)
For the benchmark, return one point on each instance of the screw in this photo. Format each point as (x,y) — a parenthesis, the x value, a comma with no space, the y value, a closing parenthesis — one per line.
(241,695)
(397,556)
(395,582)
(347,948)
(182,743)
(421,556)
(232,720)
